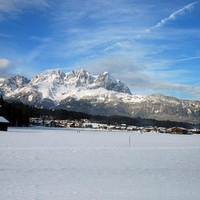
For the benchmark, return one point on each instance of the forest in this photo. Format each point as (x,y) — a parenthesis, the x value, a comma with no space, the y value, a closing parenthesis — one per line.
(19,114)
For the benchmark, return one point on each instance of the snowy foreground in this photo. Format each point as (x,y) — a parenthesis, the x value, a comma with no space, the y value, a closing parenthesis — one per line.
(63,164)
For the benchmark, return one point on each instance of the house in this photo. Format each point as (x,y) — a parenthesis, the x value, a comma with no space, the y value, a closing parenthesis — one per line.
(50,123)
(123,126)
(111,127)
(194,131)
(130,128)
(3,124)
(153,129)
(179,130)
(71,124)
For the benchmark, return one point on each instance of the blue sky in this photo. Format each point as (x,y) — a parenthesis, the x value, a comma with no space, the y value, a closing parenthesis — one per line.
(152,46)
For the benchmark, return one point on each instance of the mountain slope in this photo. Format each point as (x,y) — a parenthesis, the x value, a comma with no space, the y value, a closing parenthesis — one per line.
(49,89)
(9,85)
(97,95)
(162,107)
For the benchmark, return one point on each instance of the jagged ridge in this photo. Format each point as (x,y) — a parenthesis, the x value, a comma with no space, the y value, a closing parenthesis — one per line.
(97,95)
(81,78)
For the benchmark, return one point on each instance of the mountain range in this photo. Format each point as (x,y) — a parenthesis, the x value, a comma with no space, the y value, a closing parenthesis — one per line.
(103,94)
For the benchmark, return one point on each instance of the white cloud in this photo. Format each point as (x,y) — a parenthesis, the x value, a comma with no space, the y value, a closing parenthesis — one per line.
(112,64)
(173,15)
(101,36)
(5,63)
(142,78)
(5,66)
(162,22)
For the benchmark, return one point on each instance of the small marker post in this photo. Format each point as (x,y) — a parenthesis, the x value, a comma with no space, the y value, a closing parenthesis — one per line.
(129,141)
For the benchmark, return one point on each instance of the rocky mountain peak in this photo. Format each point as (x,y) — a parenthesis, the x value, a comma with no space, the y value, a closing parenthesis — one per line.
(9,85)
(18,81)
(79,78)
(55,76)
(103,94)
(109,82)
(76,78)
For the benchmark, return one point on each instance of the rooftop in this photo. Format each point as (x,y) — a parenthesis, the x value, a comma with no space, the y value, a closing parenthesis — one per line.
(3,120)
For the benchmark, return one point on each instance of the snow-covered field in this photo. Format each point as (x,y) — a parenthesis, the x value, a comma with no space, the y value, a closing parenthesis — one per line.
(61,164)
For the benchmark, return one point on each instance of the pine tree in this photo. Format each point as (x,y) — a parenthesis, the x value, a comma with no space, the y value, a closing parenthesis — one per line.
(19,117)
(26,116)
(1,106)
(13,116)
(1,100)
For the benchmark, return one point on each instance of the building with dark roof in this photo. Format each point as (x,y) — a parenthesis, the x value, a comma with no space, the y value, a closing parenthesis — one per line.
(3,124)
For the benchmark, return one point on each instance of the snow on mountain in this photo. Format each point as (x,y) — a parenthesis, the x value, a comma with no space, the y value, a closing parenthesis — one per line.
(50,77)
(79,78)
(164,108)
(108,82)
(56,86)
(9,85)
(103,94)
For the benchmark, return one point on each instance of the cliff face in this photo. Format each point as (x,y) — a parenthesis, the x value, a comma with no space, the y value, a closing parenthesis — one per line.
(98,95)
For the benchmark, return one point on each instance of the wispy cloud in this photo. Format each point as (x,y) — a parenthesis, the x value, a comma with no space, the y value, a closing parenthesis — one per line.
(35,38)
(12,8)
(34,53)
(175,14)
(172,16)
(180,60)
(143,79)
(187,59)
(112,64)
(105,36)
(147,83)
(7,35)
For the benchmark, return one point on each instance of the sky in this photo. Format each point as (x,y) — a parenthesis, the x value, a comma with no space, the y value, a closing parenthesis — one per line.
(152,46)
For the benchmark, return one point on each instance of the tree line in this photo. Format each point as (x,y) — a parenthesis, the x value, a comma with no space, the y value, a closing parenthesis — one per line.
(19,114)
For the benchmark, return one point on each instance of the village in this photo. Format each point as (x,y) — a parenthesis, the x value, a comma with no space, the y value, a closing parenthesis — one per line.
(14,117)
(85,123)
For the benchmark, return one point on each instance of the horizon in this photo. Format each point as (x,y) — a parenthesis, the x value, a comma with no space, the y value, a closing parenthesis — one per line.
(151,48)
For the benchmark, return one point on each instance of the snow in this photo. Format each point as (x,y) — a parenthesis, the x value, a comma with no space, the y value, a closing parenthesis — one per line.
(48,164)
(60,92)
(80,85)
(30,97)
(3,120)
(57,92)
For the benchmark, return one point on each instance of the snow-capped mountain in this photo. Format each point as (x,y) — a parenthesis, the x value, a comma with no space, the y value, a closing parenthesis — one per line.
(51,88)
(164,108)
(98,95)
(9,85)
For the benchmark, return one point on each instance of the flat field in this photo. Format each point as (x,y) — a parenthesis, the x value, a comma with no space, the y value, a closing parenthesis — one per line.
(65,164)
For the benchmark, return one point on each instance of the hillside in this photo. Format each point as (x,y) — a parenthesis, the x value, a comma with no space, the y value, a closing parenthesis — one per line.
(103,94)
